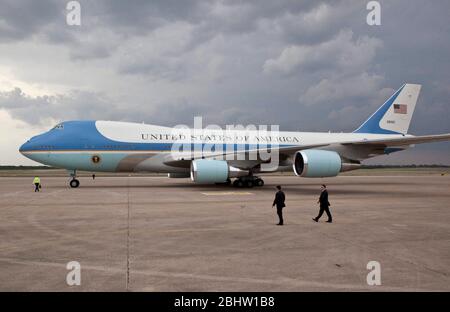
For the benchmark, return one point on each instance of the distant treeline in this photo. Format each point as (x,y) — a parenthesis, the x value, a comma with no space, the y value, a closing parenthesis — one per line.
(363,167)
(25,167)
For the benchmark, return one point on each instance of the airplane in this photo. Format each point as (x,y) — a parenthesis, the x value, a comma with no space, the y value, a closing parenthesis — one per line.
(109,146)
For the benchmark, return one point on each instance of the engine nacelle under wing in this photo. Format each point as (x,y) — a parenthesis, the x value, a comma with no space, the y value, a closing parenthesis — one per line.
(213,171)
(320,163)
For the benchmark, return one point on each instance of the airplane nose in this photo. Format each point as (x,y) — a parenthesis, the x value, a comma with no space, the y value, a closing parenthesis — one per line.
(24,147)
(31,144)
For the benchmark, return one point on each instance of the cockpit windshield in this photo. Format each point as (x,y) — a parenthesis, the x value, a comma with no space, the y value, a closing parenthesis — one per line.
(58,126)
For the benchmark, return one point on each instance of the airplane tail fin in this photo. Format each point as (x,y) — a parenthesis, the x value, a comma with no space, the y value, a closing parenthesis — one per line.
(394,116)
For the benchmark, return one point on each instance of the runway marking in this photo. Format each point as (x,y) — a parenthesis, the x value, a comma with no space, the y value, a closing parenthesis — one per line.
(226,193)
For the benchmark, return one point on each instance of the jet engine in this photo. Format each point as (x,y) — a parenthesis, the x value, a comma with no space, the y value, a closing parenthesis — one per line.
(319,163)
(214,171)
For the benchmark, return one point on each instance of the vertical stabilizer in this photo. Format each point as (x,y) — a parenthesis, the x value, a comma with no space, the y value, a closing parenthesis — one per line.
(394,116)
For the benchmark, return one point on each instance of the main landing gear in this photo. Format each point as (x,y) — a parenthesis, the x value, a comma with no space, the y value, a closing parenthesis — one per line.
(248,181)
(74,183)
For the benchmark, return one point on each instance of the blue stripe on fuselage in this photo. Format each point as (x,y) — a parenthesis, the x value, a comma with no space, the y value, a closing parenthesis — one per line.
(80,161)
(84,136)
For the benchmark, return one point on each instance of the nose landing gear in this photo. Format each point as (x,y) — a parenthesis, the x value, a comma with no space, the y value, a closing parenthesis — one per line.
(74,183)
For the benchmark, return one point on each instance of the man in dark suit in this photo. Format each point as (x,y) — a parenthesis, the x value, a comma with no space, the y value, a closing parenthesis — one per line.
(279,202)
(324,205)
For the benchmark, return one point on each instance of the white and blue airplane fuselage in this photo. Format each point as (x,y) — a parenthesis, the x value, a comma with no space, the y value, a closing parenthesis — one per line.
(216,156)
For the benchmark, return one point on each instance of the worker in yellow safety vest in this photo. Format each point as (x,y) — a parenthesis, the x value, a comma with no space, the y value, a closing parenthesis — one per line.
(37,184)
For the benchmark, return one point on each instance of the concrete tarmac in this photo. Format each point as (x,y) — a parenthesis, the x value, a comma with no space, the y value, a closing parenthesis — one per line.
(159,234)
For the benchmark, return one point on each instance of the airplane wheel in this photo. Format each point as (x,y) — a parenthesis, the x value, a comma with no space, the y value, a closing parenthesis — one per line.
(238,183)
(249,183)
(74,183)
(259,182)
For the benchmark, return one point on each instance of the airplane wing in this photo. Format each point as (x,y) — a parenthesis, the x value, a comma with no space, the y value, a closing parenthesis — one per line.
(407,140)
(184,159)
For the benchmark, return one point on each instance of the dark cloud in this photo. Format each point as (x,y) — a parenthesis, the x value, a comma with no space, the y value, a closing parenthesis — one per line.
(39,110)
(20,19)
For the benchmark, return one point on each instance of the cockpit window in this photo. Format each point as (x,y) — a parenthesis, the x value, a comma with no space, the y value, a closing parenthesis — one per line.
(58,126)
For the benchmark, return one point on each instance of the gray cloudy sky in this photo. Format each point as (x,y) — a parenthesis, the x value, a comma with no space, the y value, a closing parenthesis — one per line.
(305,65)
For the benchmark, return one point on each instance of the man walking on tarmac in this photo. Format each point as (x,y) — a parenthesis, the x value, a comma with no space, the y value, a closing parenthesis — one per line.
(37,184)
(279,202)
(324,205)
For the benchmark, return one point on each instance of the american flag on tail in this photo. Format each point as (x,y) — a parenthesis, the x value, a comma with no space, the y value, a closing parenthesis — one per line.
(400,109)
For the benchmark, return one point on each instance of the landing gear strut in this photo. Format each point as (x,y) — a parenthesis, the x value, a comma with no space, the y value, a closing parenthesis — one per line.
(74,183)
(248,181)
